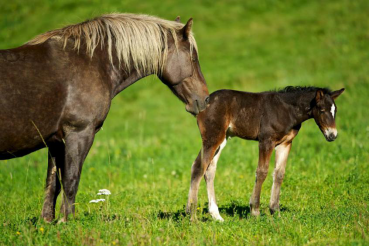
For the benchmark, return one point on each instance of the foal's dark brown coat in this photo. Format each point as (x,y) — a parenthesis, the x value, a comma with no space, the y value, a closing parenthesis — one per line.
(273,119)
(56,90)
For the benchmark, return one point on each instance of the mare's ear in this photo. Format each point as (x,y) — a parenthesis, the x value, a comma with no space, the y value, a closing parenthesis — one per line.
(177,19)
(319,95)
(336,94)
(187,28)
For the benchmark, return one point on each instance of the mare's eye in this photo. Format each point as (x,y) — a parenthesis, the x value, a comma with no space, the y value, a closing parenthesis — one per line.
(322,110)
(194,59)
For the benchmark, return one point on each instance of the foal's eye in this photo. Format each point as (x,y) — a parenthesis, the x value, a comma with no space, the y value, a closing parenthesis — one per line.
(322,110)
(194,59)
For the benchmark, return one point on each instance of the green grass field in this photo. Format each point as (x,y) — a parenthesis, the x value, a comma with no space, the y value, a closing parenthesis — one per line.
(144,153)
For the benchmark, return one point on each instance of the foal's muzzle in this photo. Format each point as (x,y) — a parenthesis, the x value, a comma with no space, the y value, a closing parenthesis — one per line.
(330,134)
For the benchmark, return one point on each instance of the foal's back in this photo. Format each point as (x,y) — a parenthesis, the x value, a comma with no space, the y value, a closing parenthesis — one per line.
(239,113)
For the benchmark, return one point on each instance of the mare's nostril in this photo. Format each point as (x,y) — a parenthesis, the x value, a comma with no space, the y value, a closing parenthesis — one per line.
(207,100)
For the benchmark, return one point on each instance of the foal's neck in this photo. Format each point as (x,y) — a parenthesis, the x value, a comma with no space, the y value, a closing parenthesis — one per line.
(301,105)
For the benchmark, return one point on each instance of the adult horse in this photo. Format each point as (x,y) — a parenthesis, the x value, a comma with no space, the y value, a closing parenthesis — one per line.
(56,90)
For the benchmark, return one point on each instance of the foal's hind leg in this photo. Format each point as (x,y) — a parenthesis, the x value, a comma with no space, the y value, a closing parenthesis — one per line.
(77,146)
(209,178)
(52,188)
(281,157)
(198,170)
(265,151)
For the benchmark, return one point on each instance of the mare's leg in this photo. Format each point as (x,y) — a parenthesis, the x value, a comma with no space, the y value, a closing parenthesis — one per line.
(265,151)
(209,177)
(198,170)
(77,146)
(52,188)
(281,157)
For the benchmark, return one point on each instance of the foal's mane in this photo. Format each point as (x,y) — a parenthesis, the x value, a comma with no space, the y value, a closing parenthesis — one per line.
(138,40)
(302,89)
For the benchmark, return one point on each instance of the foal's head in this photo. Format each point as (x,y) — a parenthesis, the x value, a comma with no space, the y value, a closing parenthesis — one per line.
(324,111)
(182,74)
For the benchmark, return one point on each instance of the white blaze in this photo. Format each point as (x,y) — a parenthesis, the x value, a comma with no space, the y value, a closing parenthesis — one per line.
(332,110)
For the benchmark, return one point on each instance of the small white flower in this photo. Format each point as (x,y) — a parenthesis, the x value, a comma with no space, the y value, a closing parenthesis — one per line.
(97,201)
(104,192)
(145,176)
(173,173)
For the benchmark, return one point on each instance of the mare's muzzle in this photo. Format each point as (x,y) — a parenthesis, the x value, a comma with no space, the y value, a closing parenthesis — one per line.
(197,106)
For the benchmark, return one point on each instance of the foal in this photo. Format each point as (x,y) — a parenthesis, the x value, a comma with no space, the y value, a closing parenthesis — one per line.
(271,118)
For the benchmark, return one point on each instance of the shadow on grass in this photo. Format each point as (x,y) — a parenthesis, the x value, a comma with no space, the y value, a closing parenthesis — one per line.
(232,210)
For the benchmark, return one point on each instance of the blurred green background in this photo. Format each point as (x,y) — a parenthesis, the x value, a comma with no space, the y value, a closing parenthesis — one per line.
(148,143)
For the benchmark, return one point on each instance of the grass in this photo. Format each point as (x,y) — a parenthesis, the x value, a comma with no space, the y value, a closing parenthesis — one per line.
(144,153)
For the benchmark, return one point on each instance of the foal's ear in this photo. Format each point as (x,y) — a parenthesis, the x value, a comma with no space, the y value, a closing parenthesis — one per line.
(336,94)
(177,19)
(187,28)
(319,95)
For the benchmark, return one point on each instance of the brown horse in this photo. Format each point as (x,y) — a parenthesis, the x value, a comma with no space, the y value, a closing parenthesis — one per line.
(56,90)
(271,118)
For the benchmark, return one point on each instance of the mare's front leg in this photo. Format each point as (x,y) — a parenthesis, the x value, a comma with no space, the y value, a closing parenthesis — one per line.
(265,151)
(281,157)
(77,146)
(52,188)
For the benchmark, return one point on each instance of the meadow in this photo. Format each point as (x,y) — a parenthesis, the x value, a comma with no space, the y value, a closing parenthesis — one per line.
(144,153)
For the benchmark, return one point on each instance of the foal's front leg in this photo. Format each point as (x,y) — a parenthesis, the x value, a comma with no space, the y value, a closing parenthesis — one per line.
(265,151)
(281,157)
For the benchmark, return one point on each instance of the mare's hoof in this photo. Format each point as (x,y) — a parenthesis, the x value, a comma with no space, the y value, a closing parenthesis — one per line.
(62,220)
(255,213)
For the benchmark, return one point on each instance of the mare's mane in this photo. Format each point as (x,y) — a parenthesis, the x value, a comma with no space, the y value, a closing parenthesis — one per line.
(140,41)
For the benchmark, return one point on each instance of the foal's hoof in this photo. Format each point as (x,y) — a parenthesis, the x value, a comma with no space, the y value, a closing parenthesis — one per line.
(217,218)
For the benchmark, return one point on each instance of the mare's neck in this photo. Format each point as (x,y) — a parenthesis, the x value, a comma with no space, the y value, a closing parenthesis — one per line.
(121,80)
(300,103)
(118,75)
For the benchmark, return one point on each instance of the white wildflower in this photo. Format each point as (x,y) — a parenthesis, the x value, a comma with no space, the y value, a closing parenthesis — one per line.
(97,201)
(104,192)
(145,176)
(173,173)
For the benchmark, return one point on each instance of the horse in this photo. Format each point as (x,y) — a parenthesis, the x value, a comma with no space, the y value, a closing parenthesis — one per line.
(273,119)
(56,89)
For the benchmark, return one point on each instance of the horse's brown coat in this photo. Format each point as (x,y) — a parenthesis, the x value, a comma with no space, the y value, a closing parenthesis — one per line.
(57,96)
(272,118)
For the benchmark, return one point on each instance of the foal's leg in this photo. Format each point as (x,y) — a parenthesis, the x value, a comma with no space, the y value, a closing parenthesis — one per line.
(209,178)
(77,146)
(52,188)
(265,151)
(198,170)
(281,157)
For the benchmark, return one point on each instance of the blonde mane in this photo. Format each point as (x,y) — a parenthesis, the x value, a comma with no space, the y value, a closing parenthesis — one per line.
(138,40)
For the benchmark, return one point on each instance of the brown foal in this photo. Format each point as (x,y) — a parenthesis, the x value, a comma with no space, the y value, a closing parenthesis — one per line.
(273,119)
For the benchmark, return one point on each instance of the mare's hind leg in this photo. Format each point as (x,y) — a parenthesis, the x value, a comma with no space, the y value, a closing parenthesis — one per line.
(209,177)
(281,157)
(198,170)
(52,188)
(77,146)
(265,151)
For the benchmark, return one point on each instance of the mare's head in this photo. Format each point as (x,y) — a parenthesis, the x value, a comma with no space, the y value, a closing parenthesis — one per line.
(182,73)
(324,111)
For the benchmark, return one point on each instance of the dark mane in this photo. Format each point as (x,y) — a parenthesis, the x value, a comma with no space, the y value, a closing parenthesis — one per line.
(298,89)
